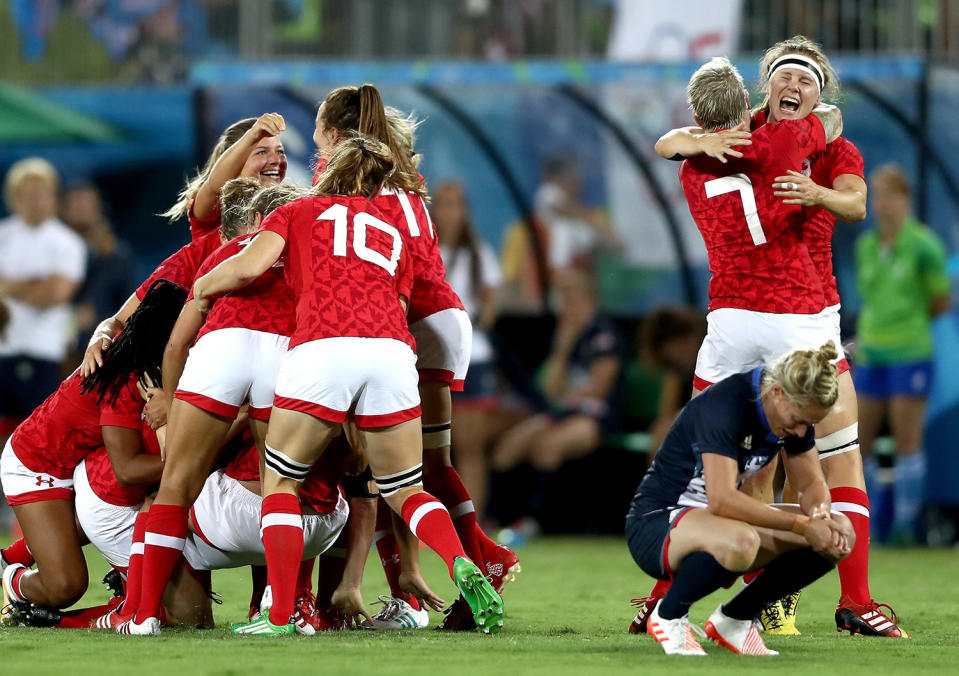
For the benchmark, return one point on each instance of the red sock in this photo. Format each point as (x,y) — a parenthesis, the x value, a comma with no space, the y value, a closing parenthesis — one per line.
(81,619)
(304,578)
(281,528)
(448,488)
(749,577)
(163,542)
(134,583)
(18,552)
(385,540)
(487,544)
(854,569)
(431,523)
(660,588)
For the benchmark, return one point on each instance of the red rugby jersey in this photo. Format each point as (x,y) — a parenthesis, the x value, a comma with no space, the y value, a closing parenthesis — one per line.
(264,305)
(180,268)
(203,226)
(757,257)
(62,431)
(347,267)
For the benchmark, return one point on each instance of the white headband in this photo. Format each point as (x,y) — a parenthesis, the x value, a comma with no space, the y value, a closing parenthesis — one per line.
(799,62)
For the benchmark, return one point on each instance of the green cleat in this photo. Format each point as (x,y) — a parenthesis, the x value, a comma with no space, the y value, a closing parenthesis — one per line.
(263,627)
(486,604)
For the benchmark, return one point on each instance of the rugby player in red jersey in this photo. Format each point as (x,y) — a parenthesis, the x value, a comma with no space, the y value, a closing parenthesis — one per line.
(351,352)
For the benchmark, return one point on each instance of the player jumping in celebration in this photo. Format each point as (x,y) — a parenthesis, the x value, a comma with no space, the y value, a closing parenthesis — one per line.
(351,351)
(796,75)
(690,524)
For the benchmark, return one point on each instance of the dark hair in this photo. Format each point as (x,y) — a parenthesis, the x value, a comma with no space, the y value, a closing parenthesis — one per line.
(358,166)
(360,110)
(667,324)
(138,349)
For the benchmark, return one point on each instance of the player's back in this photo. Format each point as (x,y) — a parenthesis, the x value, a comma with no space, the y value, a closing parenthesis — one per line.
(757,257)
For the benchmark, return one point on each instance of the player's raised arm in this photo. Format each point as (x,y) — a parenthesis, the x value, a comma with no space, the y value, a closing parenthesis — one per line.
(831,118)
(678,144)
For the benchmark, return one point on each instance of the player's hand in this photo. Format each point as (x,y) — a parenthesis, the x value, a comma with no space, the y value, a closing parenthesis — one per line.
(797,189)
(200,301)
(349,601)
(413,583)
(268,124)
(828,538)
(721,144)
(157,408)
(93,356)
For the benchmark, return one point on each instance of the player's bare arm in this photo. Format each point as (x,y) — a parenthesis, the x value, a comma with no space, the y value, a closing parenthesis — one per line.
(846,200)
(178,346)
(684,142)
(831,118)
(104,334)
(239,270)
(132,466)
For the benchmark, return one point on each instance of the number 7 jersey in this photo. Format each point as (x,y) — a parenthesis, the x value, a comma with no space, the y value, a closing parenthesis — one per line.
(347,266)
(757,258)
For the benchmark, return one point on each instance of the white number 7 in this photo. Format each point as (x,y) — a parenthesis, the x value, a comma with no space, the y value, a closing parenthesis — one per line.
(740,182)
(362,220)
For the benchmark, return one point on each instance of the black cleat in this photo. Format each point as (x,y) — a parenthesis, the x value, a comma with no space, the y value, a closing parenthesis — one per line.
(35,615)
(114,582)
(868,619)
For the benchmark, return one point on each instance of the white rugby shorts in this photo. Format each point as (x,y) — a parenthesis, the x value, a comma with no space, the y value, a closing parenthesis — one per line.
(739,340)
(108,527)
(326,378)
(225,520)
(21,485)
(227,367)
(444,341)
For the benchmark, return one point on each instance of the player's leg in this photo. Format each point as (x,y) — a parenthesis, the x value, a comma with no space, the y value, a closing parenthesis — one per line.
(906,415)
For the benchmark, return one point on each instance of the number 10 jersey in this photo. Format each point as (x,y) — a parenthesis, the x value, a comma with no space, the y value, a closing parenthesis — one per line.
(757,258)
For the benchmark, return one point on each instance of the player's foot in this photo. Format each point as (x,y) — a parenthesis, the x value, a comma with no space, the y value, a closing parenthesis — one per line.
(330,619)
(740,636)
(398,614)
(676,636)
(35,615)
(12,606)
(111,619)
(868,619)
(502,566)
(114,582)
(773,620)
(149,627)
(458,617)
(644,606)
(304,614)
(486,604)
(790,605)
(263,627)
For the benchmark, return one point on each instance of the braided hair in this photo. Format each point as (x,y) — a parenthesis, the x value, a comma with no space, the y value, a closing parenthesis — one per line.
(139,347)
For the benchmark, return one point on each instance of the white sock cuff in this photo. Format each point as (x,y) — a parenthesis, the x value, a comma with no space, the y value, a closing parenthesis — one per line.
(160,540)
(850,507)
(136,548)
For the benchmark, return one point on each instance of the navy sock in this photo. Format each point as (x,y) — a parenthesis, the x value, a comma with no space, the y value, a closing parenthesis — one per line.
(699,575)
(786,574)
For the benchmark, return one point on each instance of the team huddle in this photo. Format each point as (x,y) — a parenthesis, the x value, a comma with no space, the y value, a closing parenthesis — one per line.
(279,390)
(254,399)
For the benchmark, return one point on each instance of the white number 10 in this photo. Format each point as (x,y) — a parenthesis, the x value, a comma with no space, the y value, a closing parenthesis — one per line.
(740,182)
(361,221)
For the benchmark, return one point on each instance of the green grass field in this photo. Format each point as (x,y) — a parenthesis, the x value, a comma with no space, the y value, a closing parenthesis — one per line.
(567,613)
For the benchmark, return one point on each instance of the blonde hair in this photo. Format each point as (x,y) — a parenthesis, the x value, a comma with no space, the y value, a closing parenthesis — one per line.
(235,197)
(359,166)
(893,176)
(805,376)
(403,128)
(799,44)
(230,135)
(717,95)
(269,199)
(24,170)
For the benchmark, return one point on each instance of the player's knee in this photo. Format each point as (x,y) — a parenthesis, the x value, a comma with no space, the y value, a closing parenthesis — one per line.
(740,549)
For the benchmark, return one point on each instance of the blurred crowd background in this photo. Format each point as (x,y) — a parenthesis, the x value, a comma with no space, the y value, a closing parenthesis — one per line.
(568,240)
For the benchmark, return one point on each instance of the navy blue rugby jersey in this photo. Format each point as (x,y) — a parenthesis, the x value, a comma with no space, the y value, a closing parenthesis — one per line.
(727,419)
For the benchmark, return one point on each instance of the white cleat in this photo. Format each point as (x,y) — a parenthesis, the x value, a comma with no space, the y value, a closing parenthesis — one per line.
(676,636)
(149,627)
(10,599)
(398,614)
(740,636)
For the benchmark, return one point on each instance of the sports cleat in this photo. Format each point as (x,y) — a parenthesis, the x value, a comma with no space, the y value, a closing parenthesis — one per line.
(645,606)
(12,606)
(114,582)
(3,563)
(676,636)
(149,627)
(459,617)
(304,614)
(263,627)
(398,614)
(330,619)
(486,604)
(35,615)
(740,636)
(502,566)
(868,619)
(774,621)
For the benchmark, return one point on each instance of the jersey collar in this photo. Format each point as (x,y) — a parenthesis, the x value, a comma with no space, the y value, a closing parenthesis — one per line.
(757,390)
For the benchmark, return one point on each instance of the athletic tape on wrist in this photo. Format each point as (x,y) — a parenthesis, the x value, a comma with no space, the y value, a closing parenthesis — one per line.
(391,483)
(840,441)
(437,436)
(285,466)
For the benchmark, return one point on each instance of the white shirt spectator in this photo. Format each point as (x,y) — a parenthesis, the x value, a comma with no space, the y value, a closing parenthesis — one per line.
(35,253)
(459,274)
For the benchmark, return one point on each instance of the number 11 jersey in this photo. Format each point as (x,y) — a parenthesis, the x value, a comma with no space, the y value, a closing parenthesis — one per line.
(757,258)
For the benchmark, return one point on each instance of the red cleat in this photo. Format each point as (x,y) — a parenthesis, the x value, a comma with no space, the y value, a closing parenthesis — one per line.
(304,614)
(502,566)
(644,607)
(868,619)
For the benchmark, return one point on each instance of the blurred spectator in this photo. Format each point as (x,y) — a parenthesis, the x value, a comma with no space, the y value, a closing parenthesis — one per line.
(671,337)
(110,277)
(581,379)
(901,274)
(473,272)
(41,266)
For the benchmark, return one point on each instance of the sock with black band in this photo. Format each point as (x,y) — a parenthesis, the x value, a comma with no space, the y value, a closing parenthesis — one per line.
(787,574)
(699,575)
